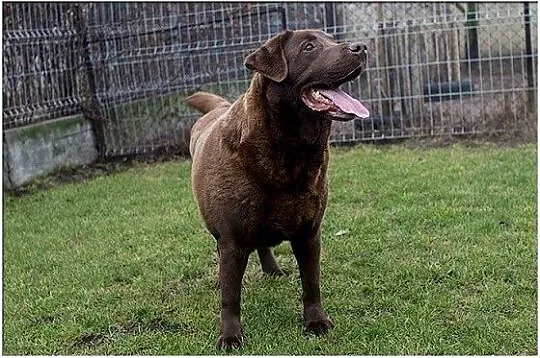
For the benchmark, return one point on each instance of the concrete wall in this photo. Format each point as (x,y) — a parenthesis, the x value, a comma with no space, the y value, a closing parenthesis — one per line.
(38,149)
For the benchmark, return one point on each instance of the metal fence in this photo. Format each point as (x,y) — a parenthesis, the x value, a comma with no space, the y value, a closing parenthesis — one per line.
(434,68)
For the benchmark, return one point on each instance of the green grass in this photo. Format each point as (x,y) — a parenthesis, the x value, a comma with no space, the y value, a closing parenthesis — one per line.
(436,254)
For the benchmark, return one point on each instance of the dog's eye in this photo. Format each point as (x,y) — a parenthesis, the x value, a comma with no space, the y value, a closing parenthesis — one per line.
(308,47)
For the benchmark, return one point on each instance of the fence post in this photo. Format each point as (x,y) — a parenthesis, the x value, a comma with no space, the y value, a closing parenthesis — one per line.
(471,28)
(332,19)
(529,58)
(384,89)
(283,14)
(90,104)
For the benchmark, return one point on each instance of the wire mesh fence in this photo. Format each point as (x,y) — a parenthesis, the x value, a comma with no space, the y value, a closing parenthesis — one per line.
(40,63)
(434,68)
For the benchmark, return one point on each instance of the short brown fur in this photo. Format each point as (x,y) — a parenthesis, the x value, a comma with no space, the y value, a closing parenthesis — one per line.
(259,169)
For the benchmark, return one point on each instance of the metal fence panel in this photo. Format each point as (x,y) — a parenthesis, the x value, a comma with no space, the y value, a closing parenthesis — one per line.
(40,61)
(434,68)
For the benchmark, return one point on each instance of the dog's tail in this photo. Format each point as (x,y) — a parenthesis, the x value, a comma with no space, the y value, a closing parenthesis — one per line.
(205,101)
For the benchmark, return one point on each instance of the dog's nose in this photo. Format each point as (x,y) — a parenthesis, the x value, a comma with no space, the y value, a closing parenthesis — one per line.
(357,47)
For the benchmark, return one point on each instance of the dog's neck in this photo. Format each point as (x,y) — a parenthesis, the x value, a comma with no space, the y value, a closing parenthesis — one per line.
(289,122)
(299,142)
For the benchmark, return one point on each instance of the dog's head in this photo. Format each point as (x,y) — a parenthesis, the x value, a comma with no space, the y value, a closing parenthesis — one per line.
(313,67)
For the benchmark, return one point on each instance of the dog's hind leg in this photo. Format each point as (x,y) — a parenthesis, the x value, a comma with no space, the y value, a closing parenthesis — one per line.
(268,262)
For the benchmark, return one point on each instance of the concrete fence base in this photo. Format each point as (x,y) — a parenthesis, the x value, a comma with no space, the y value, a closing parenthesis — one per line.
(38,149)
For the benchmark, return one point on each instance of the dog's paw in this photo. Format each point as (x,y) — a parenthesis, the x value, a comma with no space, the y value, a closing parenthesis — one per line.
(229,342)
(319,326)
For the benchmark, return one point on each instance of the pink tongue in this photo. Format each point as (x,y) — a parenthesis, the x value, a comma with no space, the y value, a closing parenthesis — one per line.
(345,102)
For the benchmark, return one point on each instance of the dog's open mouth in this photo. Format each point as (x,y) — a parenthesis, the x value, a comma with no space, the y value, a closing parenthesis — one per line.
(334,101)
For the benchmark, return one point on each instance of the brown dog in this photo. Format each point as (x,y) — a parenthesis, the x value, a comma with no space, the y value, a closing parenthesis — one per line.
(259,164)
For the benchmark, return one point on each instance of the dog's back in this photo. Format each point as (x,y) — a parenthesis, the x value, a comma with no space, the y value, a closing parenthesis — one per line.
(212,106)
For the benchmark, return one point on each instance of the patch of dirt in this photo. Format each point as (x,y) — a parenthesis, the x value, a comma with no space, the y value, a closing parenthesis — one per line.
(89,339)
(135,326)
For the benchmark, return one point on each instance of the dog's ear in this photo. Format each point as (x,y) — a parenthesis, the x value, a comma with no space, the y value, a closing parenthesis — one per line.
(269,59)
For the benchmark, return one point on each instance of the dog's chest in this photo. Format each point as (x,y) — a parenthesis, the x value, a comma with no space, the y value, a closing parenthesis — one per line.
(288,216)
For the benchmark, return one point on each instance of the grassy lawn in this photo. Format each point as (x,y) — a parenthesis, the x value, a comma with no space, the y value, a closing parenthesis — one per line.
(425,251)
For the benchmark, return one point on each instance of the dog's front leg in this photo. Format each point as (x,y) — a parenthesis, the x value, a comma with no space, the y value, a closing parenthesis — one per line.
(232,264)
(307,254)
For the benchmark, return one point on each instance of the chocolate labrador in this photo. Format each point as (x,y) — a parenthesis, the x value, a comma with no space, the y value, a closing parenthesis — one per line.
(259,164)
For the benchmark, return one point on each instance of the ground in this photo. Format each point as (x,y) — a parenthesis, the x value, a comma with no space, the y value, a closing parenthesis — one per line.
(425,251)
